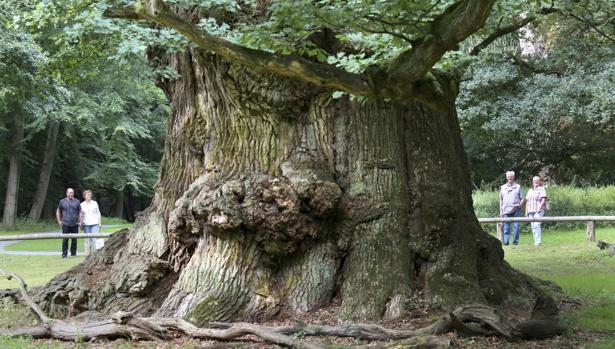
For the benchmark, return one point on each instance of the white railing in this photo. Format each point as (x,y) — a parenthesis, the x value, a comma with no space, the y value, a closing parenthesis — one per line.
(53,236)
(590,221)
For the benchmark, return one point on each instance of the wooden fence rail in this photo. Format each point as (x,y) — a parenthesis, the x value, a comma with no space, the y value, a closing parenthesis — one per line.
(53,236)
(590,221)
(591,228)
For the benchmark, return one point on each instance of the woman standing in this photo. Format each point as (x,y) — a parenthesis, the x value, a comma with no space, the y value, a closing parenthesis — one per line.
(536,200)
(90,220)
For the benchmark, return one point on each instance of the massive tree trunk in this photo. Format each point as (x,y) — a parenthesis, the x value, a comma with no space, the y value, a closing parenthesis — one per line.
(46,168)
(274,198)
(15,158)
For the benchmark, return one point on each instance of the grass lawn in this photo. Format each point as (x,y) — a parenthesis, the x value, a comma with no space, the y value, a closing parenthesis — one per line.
(36,270)
(567,258)
(581,269)
(55,244)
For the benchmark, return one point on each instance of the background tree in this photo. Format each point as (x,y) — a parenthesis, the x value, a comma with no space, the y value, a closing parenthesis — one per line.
(548,113)
(81,112)
(20,63)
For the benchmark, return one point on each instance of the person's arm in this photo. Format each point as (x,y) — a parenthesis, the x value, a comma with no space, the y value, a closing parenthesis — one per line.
(543,201)
(501,203)
(99,217)
(80,216)
(59,216)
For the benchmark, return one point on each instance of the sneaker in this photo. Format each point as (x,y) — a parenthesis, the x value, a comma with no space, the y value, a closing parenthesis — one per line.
(63,256)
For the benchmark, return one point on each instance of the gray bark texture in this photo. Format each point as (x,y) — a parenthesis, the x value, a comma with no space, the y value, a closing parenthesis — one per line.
(275,199)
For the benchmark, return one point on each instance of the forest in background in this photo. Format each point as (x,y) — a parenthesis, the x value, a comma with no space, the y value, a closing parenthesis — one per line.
(79,106)
(74,112)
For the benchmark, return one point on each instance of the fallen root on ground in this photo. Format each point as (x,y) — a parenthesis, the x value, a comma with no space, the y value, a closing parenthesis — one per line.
(473,319)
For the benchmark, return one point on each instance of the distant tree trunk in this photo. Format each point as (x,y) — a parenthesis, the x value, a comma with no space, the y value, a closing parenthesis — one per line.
(129,205)
(274,198)
(15,159)
(46,169)
(118,207)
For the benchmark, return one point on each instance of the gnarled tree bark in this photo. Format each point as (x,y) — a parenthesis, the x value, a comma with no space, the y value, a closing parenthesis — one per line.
(274,198)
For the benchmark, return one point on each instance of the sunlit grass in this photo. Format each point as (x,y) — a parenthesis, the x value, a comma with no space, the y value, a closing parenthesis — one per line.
(580,268)
(567,258)
(36,270)
(600,318)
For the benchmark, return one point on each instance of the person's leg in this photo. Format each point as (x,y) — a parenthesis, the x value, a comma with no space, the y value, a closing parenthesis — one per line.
(94,229)
(86,242)
(533,224)
(73,243)
(515,225)
(64,241)
(538,229)
(505,235)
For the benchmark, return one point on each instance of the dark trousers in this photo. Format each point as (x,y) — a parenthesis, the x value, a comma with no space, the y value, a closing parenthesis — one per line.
(73,229)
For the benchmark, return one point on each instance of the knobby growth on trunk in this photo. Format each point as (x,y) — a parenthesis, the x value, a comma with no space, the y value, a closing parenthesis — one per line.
(275,199)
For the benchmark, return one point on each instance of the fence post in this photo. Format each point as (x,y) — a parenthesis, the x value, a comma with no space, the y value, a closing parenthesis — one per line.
(591,231)
(498,227)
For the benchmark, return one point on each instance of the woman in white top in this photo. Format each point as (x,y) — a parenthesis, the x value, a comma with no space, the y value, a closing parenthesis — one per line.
(90,220)
(535,207)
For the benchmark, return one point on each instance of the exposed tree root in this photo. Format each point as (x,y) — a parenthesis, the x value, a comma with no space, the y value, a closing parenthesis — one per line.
(473,319)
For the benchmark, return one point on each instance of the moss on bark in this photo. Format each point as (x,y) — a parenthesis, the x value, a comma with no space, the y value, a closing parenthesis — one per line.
(274,198)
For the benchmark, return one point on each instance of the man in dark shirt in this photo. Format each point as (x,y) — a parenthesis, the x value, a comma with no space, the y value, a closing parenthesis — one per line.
(67,215)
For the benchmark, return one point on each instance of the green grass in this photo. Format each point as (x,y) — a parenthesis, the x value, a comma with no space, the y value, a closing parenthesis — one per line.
(36,270)
(581,269)
(567,258)
(599,318)
(55,244)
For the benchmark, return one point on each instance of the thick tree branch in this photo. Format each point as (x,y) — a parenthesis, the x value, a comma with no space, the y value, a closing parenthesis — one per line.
(25,296)
(291,66)
(457,23)
(593,26)
(498,33)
